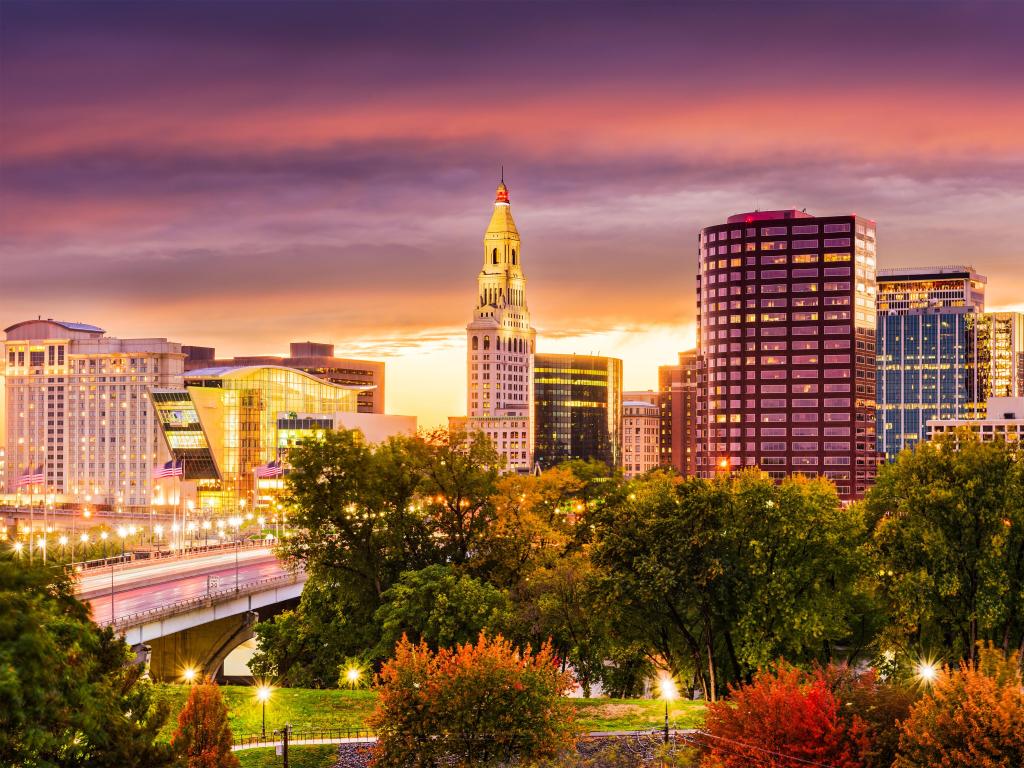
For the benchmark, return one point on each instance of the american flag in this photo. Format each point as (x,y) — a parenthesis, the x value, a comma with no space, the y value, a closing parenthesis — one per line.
(34,476)
(273,469)
(171,469)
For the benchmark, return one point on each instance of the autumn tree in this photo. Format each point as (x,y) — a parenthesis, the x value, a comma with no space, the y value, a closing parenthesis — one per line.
(203,735)
(784,719)
(478,704)
(973,715)
(948,535)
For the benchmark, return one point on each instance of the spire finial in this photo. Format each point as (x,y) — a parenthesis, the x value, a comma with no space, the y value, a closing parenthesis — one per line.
(502,173)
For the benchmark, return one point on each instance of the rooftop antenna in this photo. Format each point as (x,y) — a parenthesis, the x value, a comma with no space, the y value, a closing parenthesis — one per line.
(502,173)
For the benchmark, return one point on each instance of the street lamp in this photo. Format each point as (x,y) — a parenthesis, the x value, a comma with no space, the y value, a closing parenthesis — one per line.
(18,548)
(189,674)
(352,675)
(668,693)
(263,695)
(122,532)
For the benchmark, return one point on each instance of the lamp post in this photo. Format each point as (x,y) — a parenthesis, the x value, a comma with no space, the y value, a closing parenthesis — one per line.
(263,694)
(668,693)
(122,532)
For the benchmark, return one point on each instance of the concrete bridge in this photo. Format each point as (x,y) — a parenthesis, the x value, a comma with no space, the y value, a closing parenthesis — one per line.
(190,612)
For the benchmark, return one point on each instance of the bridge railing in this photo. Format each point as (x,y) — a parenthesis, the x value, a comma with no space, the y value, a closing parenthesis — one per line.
(207,598)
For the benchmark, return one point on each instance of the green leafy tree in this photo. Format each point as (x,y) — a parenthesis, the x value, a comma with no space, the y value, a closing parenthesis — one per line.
(69,694)
(478,704)
(362,515)
(440,606)
(948,537)
(720,577)
(972,716)
(203,734)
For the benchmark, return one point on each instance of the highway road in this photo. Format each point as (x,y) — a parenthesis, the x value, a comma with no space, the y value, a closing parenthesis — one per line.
(167,581)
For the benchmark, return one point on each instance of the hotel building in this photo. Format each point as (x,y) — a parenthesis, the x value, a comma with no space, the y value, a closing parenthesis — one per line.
(786,318)
(641,433)
(313,358)
(940,356)
(677,390)
(78,411)
(578,412)
(500,346)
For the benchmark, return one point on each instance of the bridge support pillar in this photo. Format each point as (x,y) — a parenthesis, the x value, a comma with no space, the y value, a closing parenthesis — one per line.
(202,648)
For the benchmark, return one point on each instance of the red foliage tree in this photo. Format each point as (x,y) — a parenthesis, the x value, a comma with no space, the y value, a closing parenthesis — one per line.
(477,704)
(203,735)
(784,719)
(971,716)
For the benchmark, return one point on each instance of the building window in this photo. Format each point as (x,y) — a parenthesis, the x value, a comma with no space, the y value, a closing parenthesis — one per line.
(494,256)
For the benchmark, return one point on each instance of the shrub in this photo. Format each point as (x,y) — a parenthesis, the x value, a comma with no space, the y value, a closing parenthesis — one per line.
(478,704)
(972,716)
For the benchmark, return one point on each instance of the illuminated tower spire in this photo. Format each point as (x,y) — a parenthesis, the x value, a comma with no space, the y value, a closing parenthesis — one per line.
(500,343)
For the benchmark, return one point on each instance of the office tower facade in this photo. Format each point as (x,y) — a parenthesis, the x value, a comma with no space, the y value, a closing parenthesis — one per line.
(310,357)
(786,318)
(641,433)
(578,411)
(941,357)
(677,388)
(930,364)
(500,345)
(79,413)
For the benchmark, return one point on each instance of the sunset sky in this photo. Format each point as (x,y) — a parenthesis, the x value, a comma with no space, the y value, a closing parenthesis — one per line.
(241,175)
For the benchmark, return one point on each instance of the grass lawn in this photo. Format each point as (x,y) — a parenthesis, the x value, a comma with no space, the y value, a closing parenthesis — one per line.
(311,709)
(322,756)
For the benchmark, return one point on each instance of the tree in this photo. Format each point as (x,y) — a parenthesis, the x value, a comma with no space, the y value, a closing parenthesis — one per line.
(974,715)
(784,719)
(948,536)
(440,606)
(479,704)
(362,516)
(720,577)
(69,694)
(203,734)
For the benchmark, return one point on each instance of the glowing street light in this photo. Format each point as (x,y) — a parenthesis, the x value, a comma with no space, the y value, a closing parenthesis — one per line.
(188,674)
(17,548)
(927,672)
(668,693)
(263,692)
(352,675)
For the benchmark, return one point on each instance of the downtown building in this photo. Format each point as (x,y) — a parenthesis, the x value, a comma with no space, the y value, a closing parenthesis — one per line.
(786,319)
(641,432)
(500,346)
(78,417)
(940,356)
(230,429)
(309,357)
(677,402)
(578,409)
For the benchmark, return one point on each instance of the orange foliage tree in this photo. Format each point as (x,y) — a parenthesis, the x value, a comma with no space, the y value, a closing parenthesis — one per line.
(477,704)
(203,734)
(972,716)
(786,718)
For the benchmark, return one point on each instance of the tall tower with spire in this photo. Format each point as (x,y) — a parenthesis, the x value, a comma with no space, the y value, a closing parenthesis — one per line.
(500,344)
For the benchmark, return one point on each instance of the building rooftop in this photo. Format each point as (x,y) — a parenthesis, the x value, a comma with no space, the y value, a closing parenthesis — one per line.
(237,371)
(790,213)
(946,270)
(83,327)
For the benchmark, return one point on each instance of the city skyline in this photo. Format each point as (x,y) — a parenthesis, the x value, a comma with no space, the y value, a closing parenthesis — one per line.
(164,161)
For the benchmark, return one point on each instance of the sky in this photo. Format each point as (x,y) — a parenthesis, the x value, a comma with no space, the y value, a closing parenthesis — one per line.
(242,175)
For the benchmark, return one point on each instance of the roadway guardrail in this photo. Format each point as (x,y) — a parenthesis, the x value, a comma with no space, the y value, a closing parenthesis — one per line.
(169,609)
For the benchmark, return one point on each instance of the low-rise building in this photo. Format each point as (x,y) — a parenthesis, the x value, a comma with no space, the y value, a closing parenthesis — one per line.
(1005,421)
(641,433)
